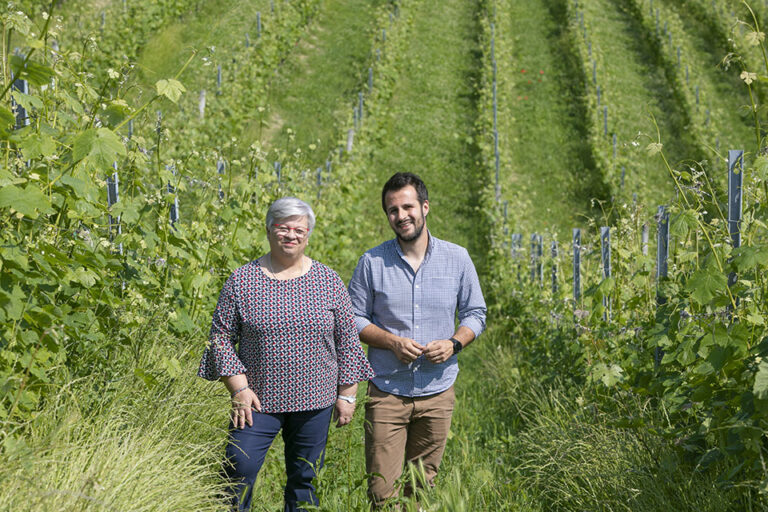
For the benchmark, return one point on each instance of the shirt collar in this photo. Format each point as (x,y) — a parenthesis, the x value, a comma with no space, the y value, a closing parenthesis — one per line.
(430,245)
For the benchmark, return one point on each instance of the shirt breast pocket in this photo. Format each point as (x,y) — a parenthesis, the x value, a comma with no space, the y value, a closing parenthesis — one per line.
(440,294)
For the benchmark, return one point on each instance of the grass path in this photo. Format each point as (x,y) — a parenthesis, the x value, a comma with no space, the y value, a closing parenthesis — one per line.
(634,87)
(318,84)
(430,122)
(544,130)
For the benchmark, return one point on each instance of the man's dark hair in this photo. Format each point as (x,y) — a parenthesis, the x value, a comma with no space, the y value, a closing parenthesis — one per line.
(401,180)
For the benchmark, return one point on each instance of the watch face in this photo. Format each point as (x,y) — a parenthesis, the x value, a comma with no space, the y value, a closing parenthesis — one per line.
(457,346)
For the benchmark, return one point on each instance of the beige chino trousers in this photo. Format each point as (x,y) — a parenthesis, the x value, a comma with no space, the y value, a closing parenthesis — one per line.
(400,428)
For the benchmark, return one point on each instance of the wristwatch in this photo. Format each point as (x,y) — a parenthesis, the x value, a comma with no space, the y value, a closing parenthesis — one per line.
(348,399)
(457,346)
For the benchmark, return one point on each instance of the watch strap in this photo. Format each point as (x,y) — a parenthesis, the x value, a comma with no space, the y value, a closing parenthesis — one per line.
(457,345)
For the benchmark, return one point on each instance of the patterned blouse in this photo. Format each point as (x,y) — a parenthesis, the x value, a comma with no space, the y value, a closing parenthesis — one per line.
(297,340)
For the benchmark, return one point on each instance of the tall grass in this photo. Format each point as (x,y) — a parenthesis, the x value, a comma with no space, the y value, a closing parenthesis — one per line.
(133,448)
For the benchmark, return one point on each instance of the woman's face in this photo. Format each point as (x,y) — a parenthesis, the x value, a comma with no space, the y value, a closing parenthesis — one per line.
(288,236)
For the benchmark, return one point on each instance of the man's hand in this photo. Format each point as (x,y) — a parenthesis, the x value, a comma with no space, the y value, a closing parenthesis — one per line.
(406,349)
(243,405)
(343,412)
(438,351)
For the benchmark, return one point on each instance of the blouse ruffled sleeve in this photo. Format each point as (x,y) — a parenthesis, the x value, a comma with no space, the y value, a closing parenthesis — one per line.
(352,361)
(220,358)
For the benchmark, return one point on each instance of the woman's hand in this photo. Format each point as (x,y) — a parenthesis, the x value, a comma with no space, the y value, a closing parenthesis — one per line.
(243,405)
(343,412)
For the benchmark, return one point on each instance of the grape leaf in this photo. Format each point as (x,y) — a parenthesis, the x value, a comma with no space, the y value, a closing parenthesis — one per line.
(171,89)
(760,388)
(705,284)
(99,145)
(37,74)
(26,201)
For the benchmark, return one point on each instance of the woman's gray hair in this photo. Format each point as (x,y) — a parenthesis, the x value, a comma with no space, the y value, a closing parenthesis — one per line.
(288,207)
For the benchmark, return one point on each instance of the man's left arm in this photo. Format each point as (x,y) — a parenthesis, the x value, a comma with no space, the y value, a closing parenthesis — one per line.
(472,311)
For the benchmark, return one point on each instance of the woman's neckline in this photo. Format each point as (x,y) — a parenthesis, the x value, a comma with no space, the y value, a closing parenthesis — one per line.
(267,272)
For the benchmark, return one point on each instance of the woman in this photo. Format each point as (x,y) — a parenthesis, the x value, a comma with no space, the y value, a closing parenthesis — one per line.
(298,358)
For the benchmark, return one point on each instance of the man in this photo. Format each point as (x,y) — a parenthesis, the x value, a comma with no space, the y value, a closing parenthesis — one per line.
(405,295)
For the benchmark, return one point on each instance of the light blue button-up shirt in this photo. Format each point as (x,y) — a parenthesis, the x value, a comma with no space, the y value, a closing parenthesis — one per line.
(420,305)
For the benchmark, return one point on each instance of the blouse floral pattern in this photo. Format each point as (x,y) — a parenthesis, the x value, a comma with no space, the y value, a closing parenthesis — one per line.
(296,339)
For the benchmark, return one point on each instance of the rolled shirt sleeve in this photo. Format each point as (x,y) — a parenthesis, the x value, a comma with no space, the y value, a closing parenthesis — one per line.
(220,358)
(471,304)
(353,364)
(361,294)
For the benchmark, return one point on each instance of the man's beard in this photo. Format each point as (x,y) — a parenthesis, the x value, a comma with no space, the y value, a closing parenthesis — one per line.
(416,232)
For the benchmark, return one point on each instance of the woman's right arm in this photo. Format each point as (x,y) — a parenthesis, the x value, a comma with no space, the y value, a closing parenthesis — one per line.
(244,400)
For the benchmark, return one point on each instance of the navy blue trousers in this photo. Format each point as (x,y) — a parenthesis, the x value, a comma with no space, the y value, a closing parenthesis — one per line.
(305,434)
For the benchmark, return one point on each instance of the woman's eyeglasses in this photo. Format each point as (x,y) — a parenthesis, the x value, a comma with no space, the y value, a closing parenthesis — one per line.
(282,230)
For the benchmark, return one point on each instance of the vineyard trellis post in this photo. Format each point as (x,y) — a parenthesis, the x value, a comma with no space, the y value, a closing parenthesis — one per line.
(112,198)
(662,244)
(173,213)
(218,79)
(662,258)
(605,257)
(350,139)
(319,180)
(735,179)
(278,172)
(644,239)
(576,265)
(201,104)
(370,80)
(537,267)
(516,242)
(554,267)
(22,119)
(220,166)
(495,115)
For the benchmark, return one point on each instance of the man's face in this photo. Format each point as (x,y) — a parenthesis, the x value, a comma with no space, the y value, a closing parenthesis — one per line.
(405,214)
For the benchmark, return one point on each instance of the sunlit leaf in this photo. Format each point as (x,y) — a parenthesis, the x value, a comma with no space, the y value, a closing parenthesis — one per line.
(171,89)
(27,201)
(760,388)
(99,145)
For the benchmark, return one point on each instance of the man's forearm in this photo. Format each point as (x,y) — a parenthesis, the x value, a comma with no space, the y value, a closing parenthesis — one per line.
(465,335)
(405,349)
(375,336)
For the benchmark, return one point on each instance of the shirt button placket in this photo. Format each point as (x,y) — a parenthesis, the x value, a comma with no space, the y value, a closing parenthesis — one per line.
(417,384)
